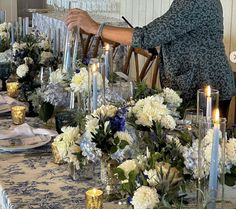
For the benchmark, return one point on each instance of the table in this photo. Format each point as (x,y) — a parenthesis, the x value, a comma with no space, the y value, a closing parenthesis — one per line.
(32,181)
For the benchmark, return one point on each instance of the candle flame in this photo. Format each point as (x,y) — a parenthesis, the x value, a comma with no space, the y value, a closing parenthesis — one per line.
(94,68)
(217,115)
(107,47)
(208,91)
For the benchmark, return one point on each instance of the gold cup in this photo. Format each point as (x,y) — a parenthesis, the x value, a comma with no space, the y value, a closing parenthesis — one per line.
(18,114)
(93,199)
(13,89)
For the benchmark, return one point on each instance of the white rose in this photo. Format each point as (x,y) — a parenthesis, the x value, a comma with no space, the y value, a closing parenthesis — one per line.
(3,27)
(91,124)
(124,136)
(22,70)
(128,166)
(145,198)
(106,111)
(152,177)
(231,151)
(44,44)
(45,56)
(28,60)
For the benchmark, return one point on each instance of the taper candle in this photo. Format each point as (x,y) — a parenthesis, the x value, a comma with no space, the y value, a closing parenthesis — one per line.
(213,181)
(94,74)
(209,103)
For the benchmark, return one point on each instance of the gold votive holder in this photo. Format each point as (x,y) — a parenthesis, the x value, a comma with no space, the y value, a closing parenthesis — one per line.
(13,89)
(18,114)
(56,154)
(93,199)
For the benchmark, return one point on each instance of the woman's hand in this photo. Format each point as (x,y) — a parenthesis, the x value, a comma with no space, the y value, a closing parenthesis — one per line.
(81,19)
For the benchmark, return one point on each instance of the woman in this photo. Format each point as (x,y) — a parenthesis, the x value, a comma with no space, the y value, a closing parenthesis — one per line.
(190,37)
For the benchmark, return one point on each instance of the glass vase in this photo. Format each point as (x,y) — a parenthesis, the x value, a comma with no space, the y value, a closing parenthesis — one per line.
(107,177)
(211,162)
(84,173)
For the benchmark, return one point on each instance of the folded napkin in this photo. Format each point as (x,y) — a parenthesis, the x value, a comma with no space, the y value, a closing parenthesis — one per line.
(25,130)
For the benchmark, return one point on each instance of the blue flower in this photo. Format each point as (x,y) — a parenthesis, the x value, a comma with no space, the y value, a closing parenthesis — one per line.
(129,200)
(119,121)
(77,70)
(86,60)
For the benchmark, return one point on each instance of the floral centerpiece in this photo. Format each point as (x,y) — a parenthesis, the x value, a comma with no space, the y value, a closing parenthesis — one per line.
(106,135)
(29,55)
(54,94)
(4,36)
(149,182)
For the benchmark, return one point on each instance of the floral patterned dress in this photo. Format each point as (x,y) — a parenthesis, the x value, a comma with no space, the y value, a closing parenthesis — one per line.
(190,35)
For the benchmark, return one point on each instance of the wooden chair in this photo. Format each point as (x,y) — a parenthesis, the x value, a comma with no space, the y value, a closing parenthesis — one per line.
(150,60)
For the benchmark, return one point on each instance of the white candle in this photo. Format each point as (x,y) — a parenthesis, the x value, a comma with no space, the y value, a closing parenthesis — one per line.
(213,182)
(26,25)
(209,103)
(12,34)
(94,72)
(107,64)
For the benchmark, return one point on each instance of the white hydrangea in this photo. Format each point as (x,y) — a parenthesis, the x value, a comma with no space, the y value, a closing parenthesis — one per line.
(124,136)
(45,56)
(44,44)
(190,155)
(152,177)
(171,97)
(28,60)
(231,151)
(105,111)
(145,198)
(168,122)
(22,70)
(3,35)
(3,27)
(79,82)
(151,109)
(56,77)
(128,166)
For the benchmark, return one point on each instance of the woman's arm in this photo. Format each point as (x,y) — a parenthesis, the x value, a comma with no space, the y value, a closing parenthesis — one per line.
(80,18)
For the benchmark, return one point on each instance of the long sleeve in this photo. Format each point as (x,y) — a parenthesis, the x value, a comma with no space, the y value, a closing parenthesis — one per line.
(182,17)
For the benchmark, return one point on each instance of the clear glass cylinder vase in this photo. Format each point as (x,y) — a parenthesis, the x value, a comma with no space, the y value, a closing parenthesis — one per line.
(211,164)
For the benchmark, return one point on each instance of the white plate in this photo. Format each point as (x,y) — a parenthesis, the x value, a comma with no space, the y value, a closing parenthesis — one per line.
(23,143)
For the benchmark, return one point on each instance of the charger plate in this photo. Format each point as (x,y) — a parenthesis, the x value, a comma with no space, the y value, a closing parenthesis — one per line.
(18,144)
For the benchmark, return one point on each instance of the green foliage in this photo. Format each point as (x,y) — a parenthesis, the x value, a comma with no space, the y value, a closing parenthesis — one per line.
(142,91)
(105,140)
(230,178)
(46,111)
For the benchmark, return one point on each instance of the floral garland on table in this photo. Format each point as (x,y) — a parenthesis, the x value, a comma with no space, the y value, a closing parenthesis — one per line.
(4,36)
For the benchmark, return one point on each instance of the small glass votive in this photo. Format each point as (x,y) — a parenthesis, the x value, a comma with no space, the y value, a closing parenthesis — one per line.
(94,199)
(13,89)
(18,114)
